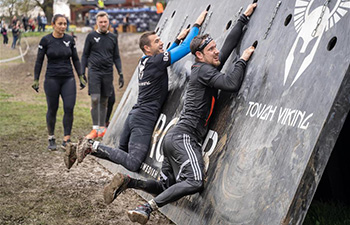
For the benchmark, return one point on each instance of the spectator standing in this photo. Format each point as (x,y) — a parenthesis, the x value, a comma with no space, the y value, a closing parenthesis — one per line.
(38,18)
(126,22)
(25,22)
(160,8)
(68,22)
(86,19)
(20,32)
(43,22)
(115,27)
(31,23)
(14,21)
(4,34)
(15,33)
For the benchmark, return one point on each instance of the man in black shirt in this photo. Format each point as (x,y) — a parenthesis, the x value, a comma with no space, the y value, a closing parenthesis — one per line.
(183,166)
(101,51)
(153,89)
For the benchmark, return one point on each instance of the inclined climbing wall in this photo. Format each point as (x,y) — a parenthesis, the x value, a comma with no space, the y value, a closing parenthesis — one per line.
(269,143)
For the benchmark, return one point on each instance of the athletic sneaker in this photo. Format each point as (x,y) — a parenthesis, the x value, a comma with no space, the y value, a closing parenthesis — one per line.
(70,156)
(93,134)
(101,132)
(84,148)
(118,184)
(64,144)
(141,214)
(52,144)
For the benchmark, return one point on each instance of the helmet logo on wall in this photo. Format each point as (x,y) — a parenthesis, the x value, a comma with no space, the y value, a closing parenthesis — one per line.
(310,27)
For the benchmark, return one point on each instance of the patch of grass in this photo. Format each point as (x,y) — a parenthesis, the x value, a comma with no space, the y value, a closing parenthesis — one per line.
(28,34)
(29,118)
(7,52)
(324,213)
(21,116)
(4,96)
(35,34)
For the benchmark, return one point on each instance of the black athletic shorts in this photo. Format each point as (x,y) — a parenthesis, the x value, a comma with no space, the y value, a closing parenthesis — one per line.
(100,83)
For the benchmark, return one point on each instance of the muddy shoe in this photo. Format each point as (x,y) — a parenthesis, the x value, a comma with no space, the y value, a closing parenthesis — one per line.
(84,148)
(70,156)
(140,214)
(64,144)
(118,184)
(52,144)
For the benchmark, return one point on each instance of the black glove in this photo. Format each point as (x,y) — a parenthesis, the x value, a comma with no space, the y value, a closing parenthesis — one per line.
(82,80)
(121,80)
(35,85)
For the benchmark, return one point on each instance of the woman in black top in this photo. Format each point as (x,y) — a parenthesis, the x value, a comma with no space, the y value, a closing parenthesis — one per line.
(4,34)
(59,48)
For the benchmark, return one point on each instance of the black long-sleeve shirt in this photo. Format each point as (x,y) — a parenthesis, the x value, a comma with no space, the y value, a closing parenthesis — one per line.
(205,80)
(59,51)
(15,31)
(100,52)
(153,77)
(4,31)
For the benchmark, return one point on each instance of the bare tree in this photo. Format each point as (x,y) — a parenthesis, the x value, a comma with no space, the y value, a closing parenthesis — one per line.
(47,7)
(24,6)
(9,6)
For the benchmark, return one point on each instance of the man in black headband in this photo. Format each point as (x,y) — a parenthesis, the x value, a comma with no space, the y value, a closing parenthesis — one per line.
(183,166)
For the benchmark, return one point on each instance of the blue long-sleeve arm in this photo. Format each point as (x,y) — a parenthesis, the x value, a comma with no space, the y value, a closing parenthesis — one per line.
(176,53)
(174,44)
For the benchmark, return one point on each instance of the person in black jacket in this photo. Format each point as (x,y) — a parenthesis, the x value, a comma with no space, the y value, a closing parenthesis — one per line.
(101,51)
(15,34)
(59,49)
(39,22)
(183,166)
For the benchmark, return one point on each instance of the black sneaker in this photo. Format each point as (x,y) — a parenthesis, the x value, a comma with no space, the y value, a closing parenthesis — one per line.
(52,144)
(64,144)
(118,184)
(141,214)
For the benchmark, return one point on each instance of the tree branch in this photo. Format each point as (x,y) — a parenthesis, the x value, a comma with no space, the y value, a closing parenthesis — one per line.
(38,3)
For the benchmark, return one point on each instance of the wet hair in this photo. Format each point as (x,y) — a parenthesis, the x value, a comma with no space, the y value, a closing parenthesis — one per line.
(101,14)
(197,42)
(56,16)
(144,40)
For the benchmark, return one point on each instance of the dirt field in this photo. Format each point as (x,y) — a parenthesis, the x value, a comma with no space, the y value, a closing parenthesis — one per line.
(35,186)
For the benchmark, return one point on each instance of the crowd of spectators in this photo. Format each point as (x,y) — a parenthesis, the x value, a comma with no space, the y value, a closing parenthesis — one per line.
(19,26)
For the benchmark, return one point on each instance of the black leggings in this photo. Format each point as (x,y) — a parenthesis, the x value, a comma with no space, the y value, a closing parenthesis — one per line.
(111,101)
(54,87)
(6,40)
(133,145)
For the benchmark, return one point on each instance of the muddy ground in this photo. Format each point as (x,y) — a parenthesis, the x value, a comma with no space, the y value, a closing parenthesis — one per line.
(35,186)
